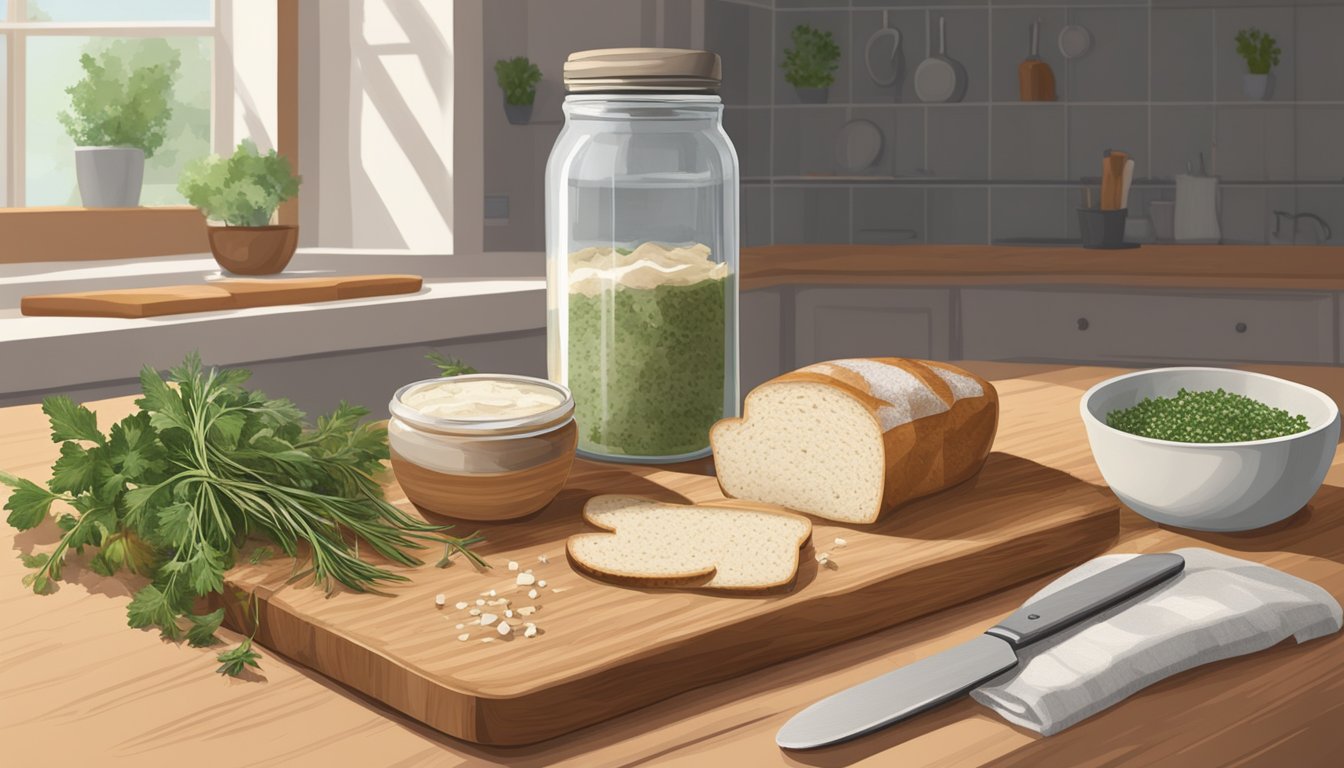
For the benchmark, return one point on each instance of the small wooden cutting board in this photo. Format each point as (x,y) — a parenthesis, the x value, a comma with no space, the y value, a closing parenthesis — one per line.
(604,650)
(223,294)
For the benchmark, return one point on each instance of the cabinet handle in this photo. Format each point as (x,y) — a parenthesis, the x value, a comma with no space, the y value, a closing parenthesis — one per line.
(1083,324)
(1241,327)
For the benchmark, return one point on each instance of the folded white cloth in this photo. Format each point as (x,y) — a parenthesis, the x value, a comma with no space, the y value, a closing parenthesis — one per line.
(1217,608)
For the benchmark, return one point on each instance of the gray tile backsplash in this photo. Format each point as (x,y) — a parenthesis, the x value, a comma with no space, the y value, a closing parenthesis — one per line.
(1162,81)
(1025,141)
(1179,134)
(888,215)
(1182,58)
(1320,53)
(1255,143)
(957,215)
(957,141)
(1116,68)
(1095,129)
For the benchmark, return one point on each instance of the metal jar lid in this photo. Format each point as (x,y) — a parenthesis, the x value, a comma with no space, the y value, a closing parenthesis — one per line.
(642,69)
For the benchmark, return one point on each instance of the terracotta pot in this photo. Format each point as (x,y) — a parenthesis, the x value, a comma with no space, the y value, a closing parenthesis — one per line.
(254,250)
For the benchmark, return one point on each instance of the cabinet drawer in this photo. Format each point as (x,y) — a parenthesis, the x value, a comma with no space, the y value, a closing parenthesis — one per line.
(1147,326)
(871,322)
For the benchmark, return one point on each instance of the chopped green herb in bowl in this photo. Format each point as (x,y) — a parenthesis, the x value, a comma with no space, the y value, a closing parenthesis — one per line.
(1215,416)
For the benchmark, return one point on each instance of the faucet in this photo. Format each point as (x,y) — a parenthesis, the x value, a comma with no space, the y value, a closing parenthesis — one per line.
(1279,216)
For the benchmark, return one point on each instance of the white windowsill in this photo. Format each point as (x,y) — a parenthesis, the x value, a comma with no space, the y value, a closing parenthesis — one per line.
(463,296)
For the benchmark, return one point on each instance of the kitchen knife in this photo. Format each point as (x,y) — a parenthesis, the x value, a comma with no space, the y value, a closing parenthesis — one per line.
(929,682)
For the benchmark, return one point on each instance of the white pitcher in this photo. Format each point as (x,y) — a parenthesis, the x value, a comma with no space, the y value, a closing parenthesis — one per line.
(1197,209)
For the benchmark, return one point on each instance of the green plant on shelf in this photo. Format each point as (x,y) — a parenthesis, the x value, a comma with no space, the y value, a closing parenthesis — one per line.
(242,190)
(813,59)
(117,105)
(518,77)
(1259,49)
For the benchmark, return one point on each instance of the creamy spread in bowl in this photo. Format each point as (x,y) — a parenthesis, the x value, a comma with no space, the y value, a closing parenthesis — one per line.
(483,446)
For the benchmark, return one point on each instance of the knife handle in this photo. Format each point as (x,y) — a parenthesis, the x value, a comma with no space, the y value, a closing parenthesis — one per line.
(1085,599)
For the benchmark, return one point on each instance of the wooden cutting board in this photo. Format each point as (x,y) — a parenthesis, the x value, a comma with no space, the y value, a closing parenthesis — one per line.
(222,294)
(604,650)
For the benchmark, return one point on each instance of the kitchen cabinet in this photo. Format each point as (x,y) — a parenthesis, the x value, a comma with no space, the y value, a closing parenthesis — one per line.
(838,322)
(1147,326)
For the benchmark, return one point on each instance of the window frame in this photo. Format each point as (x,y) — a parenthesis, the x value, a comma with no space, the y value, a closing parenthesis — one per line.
(17,32)
(71,233)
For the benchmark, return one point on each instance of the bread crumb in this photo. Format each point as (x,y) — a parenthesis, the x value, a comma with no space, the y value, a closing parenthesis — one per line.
(487,639)
(508,614)
(440,600)
(527,610)
(461,605)
(480,601)
(541,583)
(526,580)
(530,630)
(532,594)
(488,618)
(513,566)
(475,611)
(558,590)
(839,542)
(823,557)
(460,626)
(543,559)
(464,636)
(504,629)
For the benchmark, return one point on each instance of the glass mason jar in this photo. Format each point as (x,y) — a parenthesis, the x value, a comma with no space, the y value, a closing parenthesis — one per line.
(641,244)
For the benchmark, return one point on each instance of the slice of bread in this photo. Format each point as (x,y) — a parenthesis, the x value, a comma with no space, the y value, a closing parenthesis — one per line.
(657,544)
(849,439)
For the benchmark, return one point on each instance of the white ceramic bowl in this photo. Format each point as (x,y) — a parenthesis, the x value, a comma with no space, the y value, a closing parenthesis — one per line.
(1212,486)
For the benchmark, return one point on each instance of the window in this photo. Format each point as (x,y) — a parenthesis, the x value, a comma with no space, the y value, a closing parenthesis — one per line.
(41,42)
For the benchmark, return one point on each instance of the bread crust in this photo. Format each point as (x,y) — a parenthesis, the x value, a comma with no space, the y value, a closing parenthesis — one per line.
(922,456)
(692,580)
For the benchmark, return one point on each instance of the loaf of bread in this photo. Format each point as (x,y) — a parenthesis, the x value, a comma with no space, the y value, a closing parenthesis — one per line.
(650,543)
(850,439)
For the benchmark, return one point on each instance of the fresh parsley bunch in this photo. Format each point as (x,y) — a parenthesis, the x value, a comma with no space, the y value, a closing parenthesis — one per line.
(173,490)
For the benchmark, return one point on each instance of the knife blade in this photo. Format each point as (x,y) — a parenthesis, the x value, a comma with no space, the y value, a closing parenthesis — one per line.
(931,681)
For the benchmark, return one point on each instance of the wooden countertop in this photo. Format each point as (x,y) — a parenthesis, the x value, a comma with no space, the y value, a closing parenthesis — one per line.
(80,688)
(1260,267)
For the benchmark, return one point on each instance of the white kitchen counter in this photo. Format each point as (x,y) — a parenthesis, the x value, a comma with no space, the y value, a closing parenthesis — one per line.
(463,296)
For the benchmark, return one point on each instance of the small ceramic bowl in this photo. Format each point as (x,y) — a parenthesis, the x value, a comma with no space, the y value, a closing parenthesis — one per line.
(482,469)
(1212,486)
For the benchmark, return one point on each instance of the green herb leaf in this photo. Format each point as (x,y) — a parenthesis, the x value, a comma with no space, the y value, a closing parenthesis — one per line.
(133,448)
(176,522)
(29,502)
(150,608)
(449,366)
(75,471)
(36,560)
(233,661)
(70,421)
(203,627)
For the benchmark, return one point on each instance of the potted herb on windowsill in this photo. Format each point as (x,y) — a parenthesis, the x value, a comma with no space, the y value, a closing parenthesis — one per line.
(118,117)
(518,78)
(243,191)
(809,66)
(1261,52)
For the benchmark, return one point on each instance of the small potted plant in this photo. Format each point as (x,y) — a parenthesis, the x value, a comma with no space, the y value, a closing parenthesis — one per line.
(518,78)
(1261,52)
(243,191)
(118,117)
(809,66)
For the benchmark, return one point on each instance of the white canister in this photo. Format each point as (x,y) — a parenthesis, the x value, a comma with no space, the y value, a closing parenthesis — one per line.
(1197,209)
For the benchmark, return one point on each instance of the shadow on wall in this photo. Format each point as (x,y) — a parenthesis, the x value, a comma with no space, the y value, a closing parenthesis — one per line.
(383,128)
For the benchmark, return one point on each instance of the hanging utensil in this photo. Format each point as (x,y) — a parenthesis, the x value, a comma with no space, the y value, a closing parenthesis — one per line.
(940,78)
(893,59)
(1035,79)
(1074,41)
